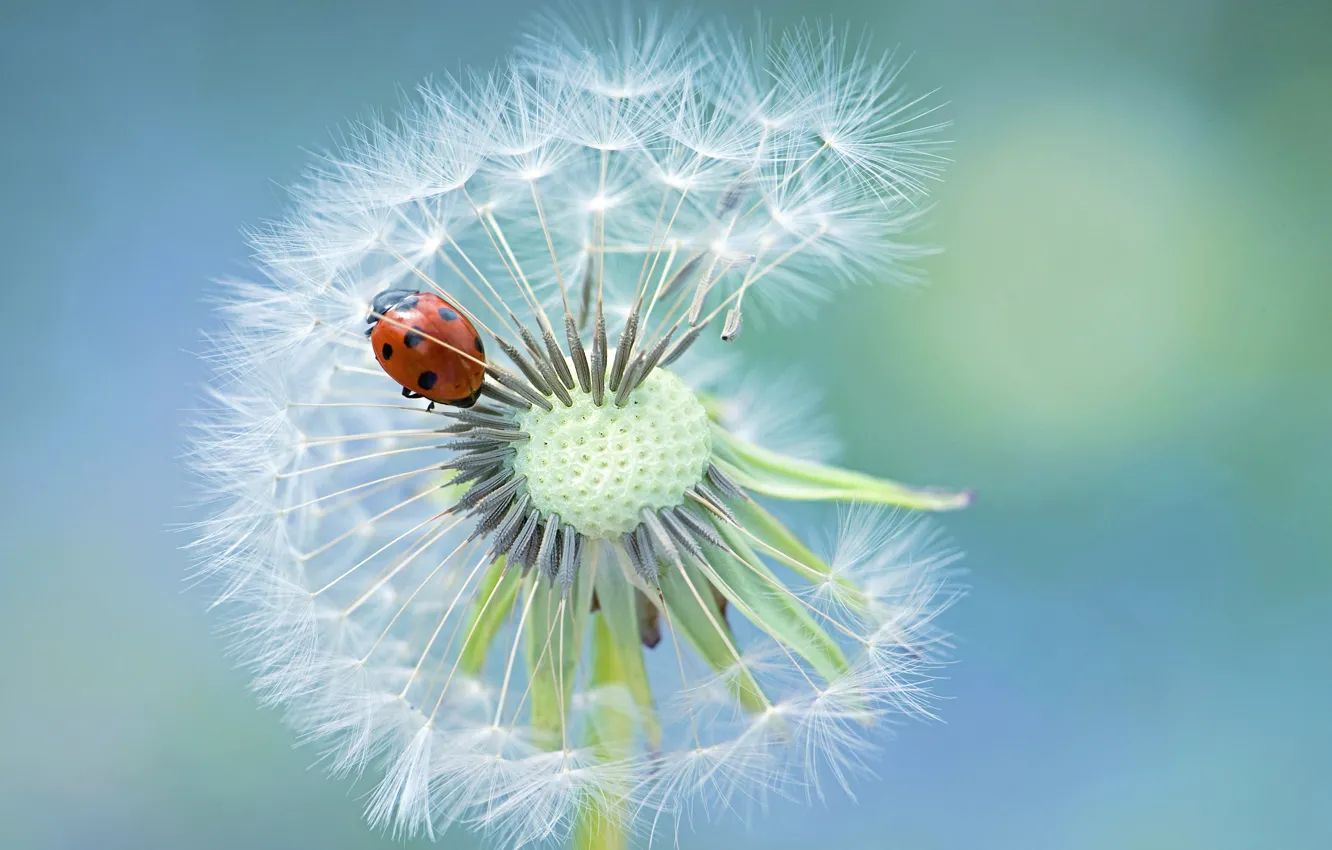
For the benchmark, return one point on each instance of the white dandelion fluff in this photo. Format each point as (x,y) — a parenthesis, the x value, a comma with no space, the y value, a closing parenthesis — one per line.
(550,598)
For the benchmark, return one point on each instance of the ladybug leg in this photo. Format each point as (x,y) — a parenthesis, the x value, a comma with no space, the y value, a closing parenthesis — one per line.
(406,393)
(430,408)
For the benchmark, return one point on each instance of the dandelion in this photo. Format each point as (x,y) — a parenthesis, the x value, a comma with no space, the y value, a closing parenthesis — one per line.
(569,611)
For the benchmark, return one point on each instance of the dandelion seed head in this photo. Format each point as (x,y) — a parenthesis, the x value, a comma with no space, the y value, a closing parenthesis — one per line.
(564,601)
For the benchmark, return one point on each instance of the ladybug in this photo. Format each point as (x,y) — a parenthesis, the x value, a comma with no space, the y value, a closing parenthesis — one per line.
(406,348)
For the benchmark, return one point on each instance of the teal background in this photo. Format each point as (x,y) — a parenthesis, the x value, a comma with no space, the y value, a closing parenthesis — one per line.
(1124,349)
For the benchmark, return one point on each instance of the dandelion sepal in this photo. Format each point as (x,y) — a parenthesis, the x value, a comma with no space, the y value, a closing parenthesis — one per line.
(488,613)
(760,595)
(773,535)
(601,821)
(553,648)
(783,477)
(599,829)
(691,608)
(615,598)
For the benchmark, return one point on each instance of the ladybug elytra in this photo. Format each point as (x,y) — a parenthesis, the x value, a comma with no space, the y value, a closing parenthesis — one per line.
(428,346)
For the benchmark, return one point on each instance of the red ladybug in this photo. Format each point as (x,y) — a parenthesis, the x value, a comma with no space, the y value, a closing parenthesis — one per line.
(406,348)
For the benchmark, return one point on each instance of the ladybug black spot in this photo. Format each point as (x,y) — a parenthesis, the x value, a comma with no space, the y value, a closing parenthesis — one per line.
(386,352)
(481,349)
(413,337)
(427,380)
(446,314)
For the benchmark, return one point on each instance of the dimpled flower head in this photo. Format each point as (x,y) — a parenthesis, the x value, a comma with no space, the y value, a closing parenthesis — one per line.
(568,611)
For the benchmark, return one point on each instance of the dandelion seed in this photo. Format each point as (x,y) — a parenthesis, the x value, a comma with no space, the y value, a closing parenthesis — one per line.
(565,608)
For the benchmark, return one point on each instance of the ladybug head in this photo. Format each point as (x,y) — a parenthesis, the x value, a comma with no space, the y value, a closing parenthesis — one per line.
(383,302)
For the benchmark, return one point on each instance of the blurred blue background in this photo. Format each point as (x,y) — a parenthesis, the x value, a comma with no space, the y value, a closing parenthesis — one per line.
(1125,349)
